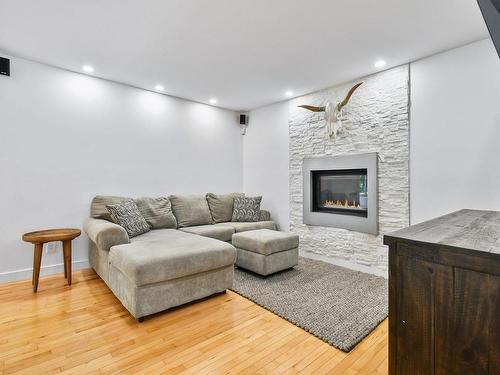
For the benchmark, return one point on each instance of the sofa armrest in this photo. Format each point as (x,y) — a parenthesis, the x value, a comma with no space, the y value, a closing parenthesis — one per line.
(265,215)
(105,234)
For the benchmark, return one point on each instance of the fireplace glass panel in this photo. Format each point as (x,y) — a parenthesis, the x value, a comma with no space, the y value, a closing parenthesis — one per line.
(342,191)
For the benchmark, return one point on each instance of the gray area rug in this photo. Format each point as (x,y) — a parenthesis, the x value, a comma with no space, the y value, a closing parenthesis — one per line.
(338,305)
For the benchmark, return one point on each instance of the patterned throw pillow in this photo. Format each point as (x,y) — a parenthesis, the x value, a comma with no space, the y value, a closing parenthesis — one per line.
(128,216)
(246,209)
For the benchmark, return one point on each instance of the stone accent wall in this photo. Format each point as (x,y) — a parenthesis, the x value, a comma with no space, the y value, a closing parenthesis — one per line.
(376,119)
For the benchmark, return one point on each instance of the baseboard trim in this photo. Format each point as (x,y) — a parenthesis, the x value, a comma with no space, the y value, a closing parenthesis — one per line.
(26,274)
(345,263)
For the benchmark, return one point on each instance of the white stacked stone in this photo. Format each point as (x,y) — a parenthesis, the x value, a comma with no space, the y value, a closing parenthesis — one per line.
(376,119)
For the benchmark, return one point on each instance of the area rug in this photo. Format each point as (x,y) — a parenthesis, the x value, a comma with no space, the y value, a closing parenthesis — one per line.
(337,305)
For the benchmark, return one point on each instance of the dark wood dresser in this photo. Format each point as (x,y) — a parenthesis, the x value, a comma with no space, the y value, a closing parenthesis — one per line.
(444,295)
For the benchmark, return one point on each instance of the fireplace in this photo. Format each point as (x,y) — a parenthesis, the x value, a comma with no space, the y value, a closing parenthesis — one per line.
(342,192)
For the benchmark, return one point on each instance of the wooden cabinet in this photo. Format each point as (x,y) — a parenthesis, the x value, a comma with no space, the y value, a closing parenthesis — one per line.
(444,296)
(416,309)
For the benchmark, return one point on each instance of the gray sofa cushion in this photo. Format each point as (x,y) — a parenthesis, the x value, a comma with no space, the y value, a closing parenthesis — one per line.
(190,210)
(246,209)
(128,216)
(98,208)
(218,232)
(246,226)
(265,241)
(157,212)
(221,206)
(159,235)
(167,254)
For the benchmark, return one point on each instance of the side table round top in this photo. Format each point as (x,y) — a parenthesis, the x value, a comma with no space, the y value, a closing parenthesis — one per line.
(50,235)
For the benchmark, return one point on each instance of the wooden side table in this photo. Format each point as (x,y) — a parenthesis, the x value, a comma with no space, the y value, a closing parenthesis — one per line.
(65,235)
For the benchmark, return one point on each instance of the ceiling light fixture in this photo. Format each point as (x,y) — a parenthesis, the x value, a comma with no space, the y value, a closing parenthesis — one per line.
(289,93)
(159,88)
(213,101)
(88,69)
(380,64)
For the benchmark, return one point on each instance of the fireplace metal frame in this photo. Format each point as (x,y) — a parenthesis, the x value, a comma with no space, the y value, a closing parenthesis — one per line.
(368,161)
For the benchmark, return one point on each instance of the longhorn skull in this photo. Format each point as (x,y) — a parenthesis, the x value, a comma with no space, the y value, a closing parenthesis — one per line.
(333,112)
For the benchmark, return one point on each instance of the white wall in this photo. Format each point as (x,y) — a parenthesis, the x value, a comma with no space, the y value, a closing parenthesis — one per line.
(66,137)
(265,160)
(455,132)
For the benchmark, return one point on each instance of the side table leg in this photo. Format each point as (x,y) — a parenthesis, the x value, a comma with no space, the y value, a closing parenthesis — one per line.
(67,259)
(36,265)
(64,261)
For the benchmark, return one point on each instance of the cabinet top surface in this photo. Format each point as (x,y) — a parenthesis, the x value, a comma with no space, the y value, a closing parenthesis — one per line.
(467,229)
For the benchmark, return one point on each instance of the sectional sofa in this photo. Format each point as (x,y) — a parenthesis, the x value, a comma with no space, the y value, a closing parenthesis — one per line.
(187,255)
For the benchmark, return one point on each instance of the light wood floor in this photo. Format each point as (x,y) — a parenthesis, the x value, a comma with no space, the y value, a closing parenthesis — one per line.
(84,329)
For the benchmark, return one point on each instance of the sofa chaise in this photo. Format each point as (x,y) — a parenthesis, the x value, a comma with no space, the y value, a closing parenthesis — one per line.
(187,254)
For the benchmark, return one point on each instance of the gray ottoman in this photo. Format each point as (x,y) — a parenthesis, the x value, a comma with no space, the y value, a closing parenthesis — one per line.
(266,251)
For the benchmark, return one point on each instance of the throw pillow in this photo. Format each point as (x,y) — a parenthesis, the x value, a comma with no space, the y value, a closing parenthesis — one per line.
(246,209)
(157,212)
(221,206)
(128,216)
(98,208)
(190,210)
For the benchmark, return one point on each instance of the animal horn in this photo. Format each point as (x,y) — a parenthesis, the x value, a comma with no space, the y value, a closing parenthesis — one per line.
(313,108)
(344,102)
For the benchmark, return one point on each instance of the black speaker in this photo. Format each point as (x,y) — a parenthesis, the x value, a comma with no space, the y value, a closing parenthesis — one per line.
(4,66)
(243,119)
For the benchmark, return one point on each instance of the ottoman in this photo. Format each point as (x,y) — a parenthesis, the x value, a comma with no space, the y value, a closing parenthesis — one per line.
(266,251)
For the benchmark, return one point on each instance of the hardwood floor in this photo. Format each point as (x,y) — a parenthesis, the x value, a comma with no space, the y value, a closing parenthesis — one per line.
(83,329)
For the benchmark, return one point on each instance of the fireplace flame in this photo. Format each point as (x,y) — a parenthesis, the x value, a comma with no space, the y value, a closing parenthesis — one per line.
(341,204)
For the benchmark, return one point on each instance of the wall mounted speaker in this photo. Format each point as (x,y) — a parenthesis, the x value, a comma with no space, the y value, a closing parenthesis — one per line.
(4,66)
(243,123)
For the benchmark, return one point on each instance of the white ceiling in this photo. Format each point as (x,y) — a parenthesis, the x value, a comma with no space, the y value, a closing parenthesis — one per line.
(245,53)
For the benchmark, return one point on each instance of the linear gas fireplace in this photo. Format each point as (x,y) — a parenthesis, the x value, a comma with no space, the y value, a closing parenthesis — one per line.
(342,192)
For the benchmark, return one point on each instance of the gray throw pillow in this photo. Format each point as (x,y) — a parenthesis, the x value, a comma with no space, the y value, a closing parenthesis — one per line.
(98,208)
(221,206)
(190,210)
(246,209)
(128,216)
(157,212)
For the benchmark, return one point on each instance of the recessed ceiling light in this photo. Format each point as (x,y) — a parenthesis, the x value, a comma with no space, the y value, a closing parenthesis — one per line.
(159,88)
(288,94)
(88,69)
(380,64)
(213,101)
